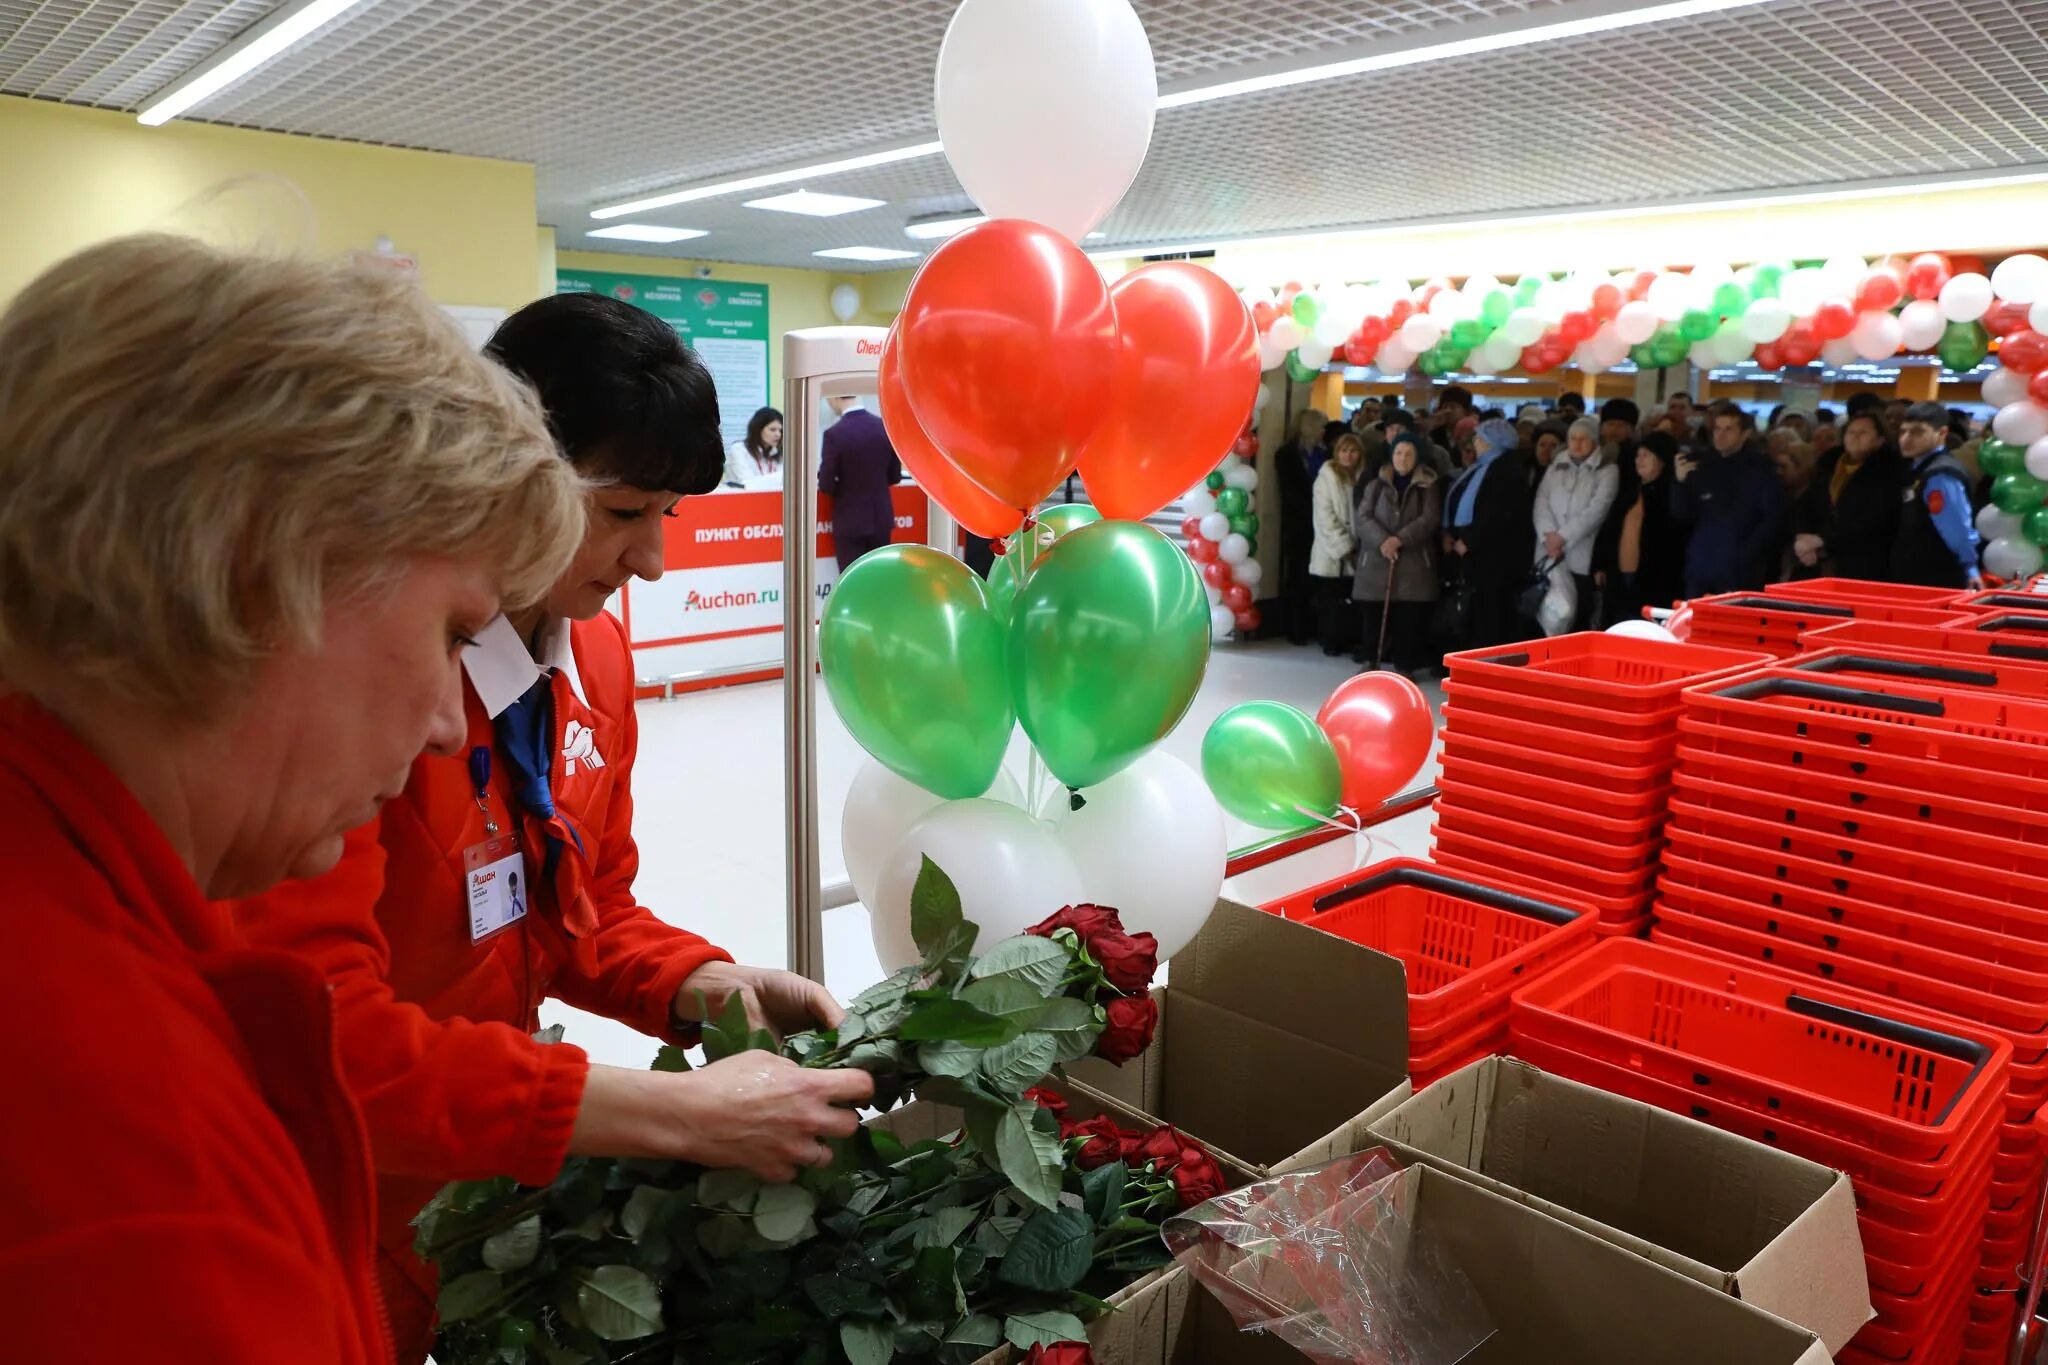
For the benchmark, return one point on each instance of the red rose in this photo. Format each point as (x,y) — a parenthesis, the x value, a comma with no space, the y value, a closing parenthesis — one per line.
(1128,960)
(1170,1152)
(1197,1179)
(1051,1103)
(1129,1030)
(1105,1141)
(1087,921)
(1065,1353)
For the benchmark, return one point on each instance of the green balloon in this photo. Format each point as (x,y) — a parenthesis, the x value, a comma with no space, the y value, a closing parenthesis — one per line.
(1697,324)
(1526,289)
(1298,372)
(1731,300)
(1768,277)
(1963,346)
(914,658)
(1454,357)
(1246,525)
(1307,309)
(1108,642)
(1996,457)
(1467,333)
(1215,481)
(1002,588)
(1643,356)
(2035,527)
(1062,520)
(1233,502)
(1495,307)
(1431,363)
(1271,766)
(1251,546)
(1671,348)
(2018,493)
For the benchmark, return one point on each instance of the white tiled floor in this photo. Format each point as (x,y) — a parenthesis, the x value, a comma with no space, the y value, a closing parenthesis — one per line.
(709,819)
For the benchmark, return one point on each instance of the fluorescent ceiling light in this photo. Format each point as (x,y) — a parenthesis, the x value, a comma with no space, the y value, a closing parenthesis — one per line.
(284,26)
(814,205)
(931,229)
(646,232)
(864,253)
(762,182)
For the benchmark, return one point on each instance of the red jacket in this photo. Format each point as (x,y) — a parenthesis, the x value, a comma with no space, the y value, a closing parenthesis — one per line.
(435,1030)
(183,1175)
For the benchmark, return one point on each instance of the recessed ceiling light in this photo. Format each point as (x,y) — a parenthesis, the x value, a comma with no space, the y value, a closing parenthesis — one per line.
(811,204)
(864,253)
(931,229)
(281,28)
(646,232)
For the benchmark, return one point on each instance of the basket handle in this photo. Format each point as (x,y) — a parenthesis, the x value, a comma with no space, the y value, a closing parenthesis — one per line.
(1491,897)
(2025,653)
(1898,1031)
(2018,601)
(1520,659)
(1847,696)
(1782,604)
(2036,620)
(1896,668)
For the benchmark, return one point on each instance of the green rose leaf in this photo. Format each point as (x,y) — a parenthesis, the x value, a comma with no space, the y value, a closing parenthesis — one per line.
(943,1228)
(868,1343)
(618,1303)
(995,1234)
(1028,1158)
(1052,1253)
(670,1058)
(551,1034)
(465,1296)
(1026,1330)
(978,1329)
(735,1190)
(644,1209)
(933,1291)
(1016,1066)
(955,1021)
(782,1211)
(1074,1025)
(1102,1190)
(1005,997)
(935,916)
(1039,963)
(948,1059)
(515,1247)
(838,1297)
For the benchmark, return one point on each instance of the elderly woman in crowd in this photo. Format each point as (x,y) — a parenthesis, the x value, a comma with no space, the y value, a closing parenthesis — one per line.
(1397,558)
(1571,505)
(256,511)
(1330,560)
(1846,519)
(1489,531)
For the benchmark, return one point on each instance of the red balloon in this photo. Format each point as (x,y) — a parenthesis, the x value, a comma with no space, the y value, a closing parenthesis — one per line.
(1926,275)
(1010,357)
(1768,356)
(1248,620)
(1799,346)
(1290,289)
(1187,372)
(1358,352)
(2025,351)
(1245,447)
(1191,528)
(1382,730)
(1639,285)
(1217,574)
(1264,315)
(1535,360)
(2005,318)
(2037,387)
(1577,327)
(1880,290)
(969,503)
(1607,301)
(1237,597)
(1372,331)
(1201,550)
(1402,310)
(1833,320)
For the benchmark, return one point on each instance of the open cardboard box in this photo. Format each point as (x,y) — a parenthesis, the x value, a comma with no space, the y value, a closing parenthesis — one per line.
(1277,1043)
(1743,1218)
(1557,1296)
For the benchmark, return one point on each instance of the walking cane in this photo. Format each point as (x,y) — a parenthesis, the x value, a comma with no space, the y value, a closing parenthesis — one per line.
(1379,654)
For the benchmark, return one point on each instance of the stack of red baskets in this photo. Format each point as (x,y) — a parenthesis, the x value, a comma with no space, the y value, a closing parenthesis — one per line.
(1557,762)
(1879,822)
(1466,945)
(1775,620)
(1904,1100)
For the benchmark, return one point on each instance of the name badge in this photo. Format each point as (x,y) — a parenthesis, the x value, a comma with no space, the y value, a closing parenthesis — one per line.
(498,887)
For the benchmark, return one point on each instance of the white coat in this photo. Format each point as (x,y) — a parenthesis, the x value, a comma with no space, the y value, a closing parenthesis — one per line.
(1572,501)
(1330,508)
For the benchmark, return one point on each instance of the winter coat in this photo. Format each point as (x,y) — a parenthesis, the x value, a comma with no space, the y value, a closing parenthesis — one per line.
(1331,501)
(1415,514)
(1735,506)
(1572,501)
(434,1026)
(1857,529)
(1501,541)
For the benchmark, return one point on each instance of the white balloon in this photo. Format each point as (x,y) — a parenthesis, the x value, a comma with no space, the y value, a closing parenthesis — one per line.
(1921,325)
(1803,290)
(1876,335)
(2004,386)
(1229,462)
(1966,297)
(1839,352)
(1766,320)
(1286,333)
(1260,399)
(1234,549)
(1045,110)
(1162,806)
(2037,464)
(2021,279)
(1244,477)
(1552,303)
(845,302)
(1198,504)
(1994,521)
(1420,333)
(1477,287)
(1844,275)
(1701,354)
(880,810)
(2020,424)
(1635,324)
(1249,573)
(1395,357)
(1637,629)
(1009,869)
(1668,296)
(1215,595)
(1332,329)
(2037,316)
(2010,557)
(1272,355)
(1315,354)
(1222,620)
(1522,328)
(1731,345)
(1215,526)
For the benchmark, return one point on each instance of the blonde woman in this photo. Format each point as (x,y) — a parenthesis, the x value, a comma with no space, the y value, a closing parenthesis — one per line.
(1332,557)
(254,514)
(1297,464)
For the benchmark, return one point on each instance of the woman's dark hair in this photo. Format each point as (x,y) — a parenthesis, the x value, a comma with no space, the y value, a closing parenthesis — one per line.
(1875,417)
(757,424)
(625,398)
(1660,443)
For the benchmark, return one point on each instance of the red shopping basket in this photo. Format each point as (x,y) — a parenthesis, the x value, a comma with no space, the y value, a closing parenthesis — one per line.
(1631,726)
(1863,590)
(1631,786)
(1512,802)
(1932,672)
(1454,816)
(1911,1084)
(1999,600)
(1959,636)
(1561,739)
(1524,861)
(1614,672)
(1466,943)
(1473,766)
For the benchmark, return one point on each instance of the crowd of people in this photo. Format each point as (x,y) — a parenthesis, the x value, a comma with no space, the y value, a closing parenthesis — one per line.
(1404,536)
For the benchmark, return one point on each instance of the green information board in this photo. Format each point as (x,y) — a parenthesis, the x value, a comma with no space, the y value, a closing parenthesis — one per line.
(724,321)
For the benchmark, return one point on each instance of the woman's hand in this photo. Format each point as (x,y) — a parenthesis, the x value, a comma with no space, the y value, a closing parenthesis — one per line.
(1807,549)
(1553,544)
(756,1112)
(1390,548)
(781,1002)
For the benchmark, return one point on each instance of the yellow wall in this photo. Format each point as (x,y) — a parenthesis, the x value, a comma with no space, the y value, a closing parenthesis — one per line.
(74,176)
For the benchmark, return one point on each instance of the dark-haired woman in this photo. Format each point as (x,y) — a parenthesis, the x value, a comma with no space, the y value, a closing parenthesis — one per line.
(1844,523)
(757,459)
(437,972)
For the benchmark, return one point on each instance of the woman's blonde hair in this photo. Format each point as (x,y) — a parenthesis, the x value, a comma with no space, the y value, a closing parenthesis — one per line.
(1343,474)
(200,450)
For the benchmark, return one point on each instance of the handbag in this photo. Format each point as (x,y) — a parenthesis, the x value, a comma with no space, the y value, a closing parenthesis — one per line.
(1451,623)
(1535,587)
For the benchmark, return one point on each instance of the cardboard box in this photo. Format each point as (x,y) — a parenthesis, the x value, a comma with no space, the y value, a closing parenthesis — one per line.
(1557,1295)
(1743,1218)
(1277,1043)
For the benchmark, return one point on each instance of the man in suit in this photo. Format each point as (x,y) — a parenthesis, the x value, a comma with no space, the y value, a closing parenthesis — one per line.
(857,471)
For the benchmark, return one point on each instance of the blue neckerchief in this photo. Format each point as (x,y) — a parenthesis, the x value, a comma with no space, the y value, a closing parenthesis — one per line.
(525,733)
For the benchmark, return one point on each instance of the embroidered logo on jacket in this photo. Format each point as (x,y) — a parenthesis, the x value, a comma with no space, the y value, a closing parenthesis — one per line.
(579,745)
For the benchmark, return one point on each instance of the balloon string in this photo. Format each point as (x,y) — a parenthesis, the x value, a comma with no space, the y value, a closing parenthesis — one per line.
(1356,826)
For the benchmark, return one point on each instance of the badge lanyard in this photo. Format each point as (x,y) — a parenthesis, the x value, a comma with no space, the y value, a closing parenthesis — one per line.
(499,891)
